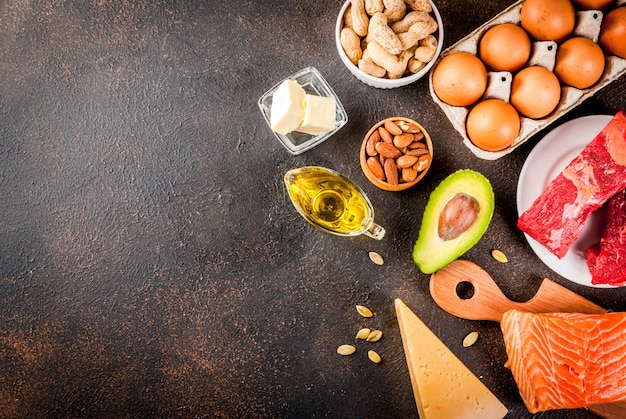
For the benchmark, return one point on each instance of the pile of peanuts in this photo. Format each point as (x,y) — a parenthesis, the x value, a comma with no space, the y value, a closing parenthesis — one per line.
(396,152)
(389,38)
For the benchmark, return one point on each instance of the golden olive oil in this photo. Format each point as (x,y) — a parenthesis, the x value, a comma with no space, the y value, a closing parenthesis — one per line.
(328,200)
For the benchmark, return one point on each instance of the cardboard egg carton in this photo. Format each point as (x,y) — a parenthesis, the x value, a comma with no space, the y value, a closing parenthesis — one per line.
(542,53)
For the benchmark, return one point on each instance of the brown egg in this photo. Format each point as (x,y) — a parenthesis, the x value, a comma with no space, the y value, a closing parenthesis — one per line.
(579,62)
(592,4)
(504,47)
(613,32)
(459,79)
(535,92)
(548,20)
(492,124)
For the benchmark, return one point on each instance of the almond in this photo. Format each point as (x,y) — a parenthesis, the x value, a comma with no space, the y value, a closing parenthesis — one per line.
(404,126)
(371,142)
(423,162)
(387,150)
(391,171)
(376,168)
(406,161)
(402,140)
(392,127)
(412,128)
(416,152)
(417,144)
(385,135)
(409,174)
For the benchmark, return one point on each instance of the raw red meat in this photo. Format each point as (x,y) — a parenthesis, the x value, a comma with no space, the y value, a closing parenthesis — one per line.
(607,260)
(558,215)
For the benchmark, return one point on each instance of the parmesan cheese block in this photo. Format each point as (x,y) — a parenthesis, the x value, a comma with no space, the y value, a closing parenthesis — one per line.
(288,103)
(319,115)
(443,386)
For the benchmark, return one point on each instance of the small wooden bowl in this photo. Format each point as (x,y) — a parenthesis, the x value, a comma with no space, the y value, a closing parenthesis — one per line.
(383,183)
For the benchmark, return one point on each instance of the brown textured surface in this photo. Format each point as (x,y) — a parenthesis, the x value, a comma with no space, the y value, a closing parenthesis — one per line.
(150,261)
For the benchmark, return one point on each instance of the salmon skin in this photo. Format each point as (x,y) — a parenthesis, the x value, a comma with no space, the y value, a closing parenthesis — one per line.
(557,217)
(566,360)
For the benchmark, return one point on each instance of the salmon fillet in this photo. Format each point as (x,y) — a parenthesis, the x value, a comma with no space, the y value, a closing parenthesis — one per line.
(566,360)
(557,217)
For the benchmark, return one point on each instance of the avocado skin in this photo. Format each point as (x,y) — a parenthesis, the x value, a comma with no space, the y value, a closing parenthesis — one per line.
(430,252)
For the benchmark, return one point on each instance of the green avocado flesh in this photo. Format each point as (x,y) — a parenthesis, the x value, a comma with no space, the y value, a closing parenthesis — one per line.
(457,215)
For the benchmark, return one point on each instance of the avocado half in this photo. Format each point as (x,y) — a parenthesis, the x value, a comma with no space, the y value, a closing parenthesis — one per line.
(457,215)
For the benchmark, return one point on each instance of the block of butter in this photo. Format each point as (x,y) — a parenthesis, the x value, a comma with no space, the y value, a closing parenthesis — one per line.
(319,115)
(295,110)
(288,103)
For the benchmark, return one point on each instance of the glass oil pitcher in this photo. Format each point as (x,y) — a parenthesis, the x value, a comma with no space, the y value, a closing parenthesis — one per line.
(331,202)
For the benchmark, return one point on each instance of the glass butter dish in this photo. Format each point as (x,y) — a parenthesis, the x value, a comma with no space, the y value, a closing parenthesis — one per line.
(313,83)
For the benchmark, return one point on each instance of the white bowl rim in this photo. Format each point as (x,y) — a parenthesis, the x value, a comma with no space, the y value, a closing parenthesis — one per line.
(379,81)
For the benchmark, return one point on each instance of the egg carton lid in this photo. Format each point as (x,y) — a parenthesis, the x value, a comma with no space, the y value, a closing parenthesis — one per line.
(543,53)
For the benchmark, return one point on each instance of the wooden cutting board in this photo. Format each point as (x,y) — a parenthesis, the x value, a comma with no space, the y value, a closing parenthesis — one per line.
(489,303)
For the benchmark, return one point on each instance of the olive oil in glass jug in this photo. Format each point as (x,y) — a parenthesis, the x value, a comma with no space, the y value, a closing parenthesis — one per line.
(331,202)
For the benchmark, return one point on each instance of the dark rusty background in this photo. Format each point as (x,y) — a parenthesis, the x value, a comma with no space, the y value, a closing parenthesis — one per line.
(151,264)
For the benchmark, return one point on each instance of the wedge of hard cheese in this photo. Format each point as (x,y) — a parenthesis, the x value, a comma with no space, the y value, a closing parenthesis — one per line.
(443,386)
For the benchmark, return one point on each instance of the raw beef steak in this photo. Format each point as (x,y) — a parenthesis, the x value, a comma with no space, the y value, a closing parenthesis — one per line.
(607,260)
(558,215)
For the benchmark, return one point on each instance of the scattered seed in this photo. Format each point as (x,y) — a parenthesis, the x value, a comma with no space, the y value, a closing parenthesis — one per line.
(374,357)
(470,339)
(346,350)
(364,311)
(363,333)
(499,256)
(376,258)
(374,336)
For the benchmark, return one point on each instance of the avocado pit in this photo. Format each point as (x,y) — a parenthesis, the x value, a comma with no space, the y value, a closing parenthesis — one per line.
(457,216)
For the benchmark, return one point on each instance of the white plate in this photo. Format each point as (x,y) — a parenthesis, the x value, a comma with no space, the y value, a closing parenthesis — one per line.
(549,157)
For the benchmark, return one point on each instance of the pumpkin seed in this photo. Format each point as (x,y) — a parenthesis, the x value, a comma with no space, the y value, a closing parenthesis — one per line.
(499,256)
(363,333)
(374,336)
(374,357)
(346,350)
(376,258)
(364,311)
(470,339)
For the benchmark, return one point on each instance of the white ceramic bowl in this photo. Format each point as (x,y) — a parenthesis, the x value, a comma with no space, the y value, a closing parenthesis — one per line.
(383,83)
